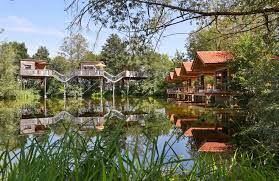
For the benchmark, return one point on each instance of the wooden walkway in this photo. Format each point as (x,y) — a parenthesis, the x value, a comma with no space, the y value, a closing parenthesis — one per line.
(93,74)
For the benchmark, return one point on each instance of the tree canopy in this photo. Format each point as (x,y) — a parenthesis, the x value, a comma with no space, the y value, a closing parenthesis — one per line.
(42,53)
(8,84)
(74,47)
(150,17)
(20,50)
(115,55)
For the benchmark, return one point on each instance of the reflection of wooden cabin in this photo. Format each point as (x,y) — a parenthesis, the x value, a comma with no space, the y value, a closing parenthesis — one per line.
(215,147)
(209,139)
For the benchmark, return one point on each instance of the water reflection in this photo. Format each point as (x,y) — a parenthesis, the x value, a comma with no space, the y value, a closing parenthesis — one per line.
(143,120)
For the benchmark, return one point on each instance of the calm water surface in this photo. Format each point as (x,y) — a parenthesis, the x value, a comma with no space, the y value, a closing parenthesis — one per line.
(143,119)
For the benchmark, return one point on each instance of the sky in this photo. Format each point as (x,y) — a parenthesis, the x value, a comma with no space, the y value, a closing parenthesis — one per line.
(44,23)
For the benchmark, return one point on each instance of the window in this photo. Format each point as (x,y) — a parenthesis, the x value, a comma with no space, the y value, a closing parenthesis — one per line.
(27,66)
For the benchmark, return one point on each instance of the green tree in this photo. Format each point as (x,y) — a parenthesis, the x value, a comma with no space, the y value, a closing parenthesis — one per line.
(89,55)
(149,18)
(115,55)
(20,50)
(42,53)
(74,48)
(60,64)
(8,84)
(156,66)
(255,80)
(178,58)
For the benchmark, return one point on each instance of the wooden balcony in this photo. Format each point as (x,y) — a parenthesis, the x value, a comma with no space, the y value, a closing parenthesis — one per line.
(36,72)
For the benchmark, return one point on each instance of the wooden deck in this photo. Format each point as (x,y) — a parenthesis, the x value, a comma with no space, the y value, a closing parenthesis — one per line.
(92,74)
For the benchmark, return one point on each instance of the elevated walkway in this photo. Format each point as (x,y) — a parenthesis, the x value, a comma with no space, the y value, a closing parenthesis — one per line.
(44,73)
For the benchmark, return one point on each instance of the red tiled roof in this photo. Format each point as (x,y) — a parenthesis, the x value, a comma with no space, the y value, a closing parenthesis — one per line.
(187,66)
(215,147)
(214,56)
(177,71)
(189,131)
(171,75)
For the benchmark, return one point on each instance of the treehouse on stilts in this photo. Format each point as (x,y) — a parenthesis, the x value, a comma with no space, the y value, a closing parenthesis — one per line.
(38,69)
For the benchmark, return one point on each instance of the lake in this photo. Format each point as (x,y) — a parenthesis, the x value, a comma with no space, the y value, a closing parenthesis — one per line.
(142,119)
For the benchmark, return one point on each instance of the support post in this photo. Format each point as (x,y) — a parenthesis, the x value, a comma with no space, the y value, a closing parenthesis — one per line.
(193,98)
(101,90)
(45,84)
(45,108)
(65,91)
(128,87)
(101,87)
(113,98)
(21,82)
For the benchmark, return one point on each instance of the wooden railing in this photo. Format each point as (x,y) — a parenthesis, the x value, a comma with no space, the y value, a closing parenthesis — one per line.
(36,72)
(181,90)
(81,73)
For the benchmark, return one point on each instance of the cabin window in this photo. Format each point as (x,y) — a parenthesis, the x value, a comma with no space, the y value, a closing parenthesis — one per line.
(27,66)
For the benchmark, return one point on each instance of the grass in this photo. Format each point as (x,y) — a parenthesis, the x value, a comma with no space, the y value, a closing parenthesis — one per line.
(77,156)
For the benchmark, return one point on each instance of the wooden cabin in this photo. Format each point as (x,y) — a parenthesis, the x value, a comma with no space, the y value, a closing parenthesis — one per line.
(204,80)
(90,68)
(207,63)
(90,65)
(188,76)
(169,78)
(176,75)
(34,68)
(31,64)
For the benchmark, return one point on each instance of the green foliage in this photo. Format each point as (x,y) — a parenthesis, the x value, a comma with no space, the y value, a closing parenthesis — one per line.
(209,80)
(20,50)
(41,54)
(89,55)
(115,55)
(8,84)
(207,39)
(256,80)
(60,64)
(74,48)
(156,66)
(242,166)
(178,58)
(77,156)
(74,90)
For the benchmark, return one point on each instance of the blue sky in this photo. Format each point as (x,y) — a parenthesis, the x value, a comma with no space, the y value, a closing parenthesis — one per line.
(38,22)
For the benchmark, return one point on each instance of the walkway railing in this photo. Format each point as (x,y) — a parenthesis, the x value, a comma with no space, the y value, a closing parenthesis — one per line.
(37,72)
(82,73)
(28,126)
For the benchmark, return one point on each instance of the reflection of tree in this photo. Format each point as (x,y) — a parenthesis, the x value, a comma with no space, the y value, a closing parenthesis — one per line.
(9,118)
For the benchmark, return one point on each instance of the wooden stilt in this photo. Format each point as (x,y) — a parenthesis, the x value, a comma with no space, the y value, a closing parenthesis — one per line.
(113,94)
(45,84)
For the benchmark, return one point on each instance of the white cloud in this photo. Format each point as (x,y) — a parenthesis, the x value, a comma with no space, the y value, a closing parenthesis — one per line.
(23,25)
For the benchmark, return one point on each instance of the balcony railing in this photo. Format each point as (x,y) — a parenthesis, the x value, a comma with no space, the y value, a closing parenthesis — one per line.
(37,72)
(90,73)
